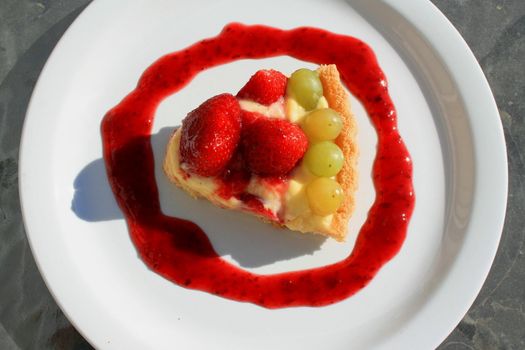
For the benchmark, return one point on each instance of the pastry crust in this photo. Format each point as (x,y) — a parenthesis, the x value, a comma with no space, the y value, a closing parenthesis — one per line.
(337,99)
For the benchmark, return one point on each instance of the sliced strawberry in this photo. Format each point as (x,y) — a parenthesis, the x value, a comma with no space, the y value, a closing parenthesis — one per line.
(272,147)
(265,87)
(210,134)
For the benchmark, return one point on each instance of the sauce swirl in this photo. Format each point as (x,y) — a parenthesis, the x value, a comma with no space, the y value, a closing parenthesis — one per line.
(178,249)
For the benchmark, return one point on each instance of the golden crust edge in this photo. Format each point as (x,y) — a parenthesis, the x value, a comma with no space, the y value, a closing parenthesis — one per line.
(338,100)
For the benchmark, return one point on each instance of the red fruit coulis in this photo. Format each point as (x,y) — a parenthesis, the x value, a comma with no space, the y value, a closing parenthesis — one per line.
(178,249)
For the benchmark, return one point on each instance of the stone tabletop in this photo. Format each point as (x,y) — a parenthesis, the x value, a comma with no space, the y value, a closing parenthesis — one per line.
(29,29)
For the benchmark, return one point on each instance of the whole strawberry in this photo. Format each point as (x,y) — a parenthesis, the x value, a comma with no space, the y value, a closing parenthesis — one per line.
(249,117)
(265,87)
(272,147)
(210,134)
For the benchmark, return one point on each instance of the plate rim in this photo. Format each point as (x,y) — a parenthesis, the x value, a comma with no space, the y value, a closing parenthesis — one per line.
(493,134)
(471,71)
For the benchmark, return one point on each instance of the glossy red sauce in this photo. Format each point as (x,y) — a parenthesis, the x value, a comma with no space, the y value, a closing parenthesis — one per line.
(179,250)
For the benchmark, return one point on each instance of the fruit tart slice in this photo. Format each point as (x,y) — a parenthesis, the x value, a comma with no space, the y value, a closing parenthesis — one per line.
(283,149)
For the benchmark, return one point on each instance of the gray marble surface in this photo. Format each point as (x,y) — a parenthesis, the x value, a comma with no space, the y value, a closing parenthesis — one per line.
(29,317)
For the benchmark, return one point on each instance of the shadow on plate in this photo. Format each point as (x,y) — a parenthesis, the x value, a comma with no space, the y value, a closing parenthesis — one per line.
(249,241)
(93,199)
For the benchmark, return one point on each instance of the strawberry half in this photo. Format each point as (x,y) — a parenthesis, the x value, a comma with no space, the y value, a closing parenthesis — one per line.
(210,134)
(265,87)
(272,147)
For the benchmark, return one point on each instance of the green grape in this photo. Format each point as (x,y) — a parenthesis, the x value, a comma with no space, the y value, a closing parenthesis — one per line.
(322,124)
(324,196)
(305,87)
(324,159)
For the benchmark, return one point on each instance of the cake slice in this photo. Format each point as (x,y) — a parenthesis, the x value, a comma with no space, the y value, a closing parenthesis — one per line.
(282,149)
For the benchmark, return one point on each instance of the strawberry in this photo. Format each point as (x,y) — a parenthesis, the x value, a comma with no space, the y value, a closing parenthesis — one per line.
(210,135)
(272,147)
(235,178)
(249,117)
(265,87)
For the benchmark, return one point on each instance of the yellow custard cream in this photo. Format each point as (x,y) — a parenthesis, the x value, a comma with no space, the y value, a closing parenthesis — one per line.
(297,213)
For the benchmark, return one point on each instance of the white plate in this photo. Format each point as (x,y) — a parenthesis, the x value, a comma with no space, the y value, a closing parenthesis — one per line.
(447,117)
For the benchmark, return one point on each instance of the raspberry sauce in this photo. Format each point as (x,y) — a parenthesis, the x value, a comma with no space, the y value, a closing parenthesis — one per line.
(178,249)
